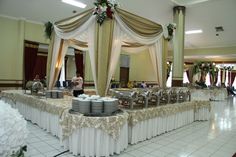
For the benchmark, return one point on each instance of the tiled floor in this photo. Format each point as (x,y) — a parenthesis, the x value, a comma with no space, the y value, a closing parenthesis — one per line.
(216,138)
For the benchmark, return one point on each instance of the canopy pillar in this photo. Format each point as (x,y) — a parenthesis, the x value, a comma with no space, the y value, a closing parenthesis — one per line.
(104,35)
(178,55)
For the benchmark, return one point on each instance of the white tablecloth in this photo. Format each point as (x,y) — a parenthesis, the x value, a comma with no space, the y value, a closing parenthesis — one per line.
(95,142)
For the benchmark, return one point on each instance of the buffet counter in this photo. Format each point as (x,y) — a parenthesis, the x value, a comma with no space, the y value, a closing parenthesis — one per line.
(94,136)
(103,136)
(209,94)
(84,136)
(147,123)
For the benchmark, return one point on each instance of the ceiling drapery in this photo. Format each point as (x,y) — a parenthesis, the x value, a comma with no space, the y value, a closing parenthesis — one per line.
(104,43)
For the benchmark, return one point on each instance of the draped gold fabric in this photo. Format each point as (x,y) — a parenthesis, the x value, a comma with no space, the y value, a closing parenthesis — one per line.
(71,23)
(139,25)
(104,35)
(60,59)
(49,58)
(75,43)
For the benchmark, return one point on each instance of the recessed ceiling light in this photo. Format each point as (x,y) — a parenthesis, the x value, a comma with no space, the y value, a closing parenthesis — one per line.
(75,3)
(194,31)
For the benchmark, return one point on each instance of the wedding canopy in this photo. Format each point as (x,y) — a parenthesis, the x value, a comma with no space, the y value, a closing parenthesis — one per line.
(104,43)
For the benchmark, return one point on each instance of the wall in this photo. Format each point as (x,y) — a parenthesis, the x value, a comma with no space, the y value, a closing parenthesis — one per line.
(141,67)
(13,33)
(70,68)
(35,32)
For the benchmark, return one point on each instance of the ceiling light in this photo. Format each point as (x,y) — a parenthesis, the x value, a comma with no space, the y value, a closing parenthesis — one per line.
(75,3)
(194,31)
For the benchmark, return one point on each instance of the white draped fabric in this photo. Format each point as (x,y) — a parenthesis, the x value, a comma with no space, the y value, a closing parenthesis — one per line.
(155,51)
(91,48)
(57,60)
(115,52)
(63,74)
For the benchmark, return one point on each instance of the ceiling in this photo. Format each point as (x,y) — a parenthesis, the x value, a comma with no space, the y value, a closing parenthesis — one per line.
(205,15)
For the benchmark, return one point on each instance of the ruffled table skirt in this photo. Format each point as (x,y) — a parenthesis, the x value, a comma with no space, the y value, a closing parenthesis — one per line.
(95,142)
(147,129)
(45,120)
(202,114)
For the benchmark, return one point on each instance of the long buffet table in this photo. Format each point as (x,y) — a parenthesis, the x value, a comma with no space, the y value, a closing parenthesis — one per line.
(147,123)
(209,94)
(103,136)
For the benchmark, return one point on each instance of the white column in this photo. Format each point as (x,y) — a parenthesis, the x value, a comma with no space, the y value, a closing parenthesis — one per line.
(178,53)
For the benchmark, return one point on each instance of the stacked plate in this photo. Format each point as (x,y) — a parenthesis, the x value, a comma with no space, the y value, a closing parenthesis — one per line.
(84,96)
(60,94)
(54,94)
(75,104)
(81,105)
(48,94)
(97,106)
(110,105)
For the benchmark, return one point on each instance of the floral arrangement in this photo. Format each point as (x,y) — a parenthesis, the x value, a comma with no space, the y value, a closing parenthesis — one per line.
(104,9)
(204,67)
(13,132)
(169,31)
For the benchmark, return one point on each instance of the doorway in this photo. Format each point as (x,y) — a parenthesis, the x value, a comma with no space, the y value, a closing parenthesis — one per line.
(124,77)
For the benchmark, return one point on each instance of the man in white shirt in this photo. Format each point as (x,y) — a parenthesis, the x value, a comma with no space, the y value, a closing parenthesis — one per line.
(77,85)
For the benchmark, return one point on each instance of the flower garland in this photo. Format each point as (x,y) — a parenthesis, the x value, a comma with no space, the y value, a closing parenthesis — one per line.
(169,31)
(104,9)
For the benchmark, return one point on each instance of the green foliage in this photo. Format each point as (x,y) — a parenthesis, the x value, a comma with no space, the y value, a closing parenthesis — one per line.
(205,67)
(48,29)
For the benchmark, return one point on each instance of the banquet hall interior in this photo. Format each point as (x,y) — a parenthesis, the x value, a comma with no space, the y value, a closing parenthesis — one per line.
(158,78)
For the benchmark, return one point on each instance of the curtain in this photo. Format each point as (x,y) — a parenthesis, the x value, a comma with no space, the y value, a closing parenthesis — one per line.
(62,75)
(40,65)
(71,24)
(79,62)
(142,27)
(187,73)
(115,52)
(155,52)
(30,58)
(233,74)
(133,33)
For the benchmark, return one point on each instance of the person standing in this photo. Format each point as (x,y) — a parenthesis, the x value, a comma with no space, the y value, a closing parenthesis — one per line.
(77,85)
(143,85)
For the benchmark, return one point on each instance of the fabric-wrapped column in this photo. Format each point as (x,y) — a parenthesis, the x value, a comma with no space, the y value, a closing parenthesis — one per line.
(104,35)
